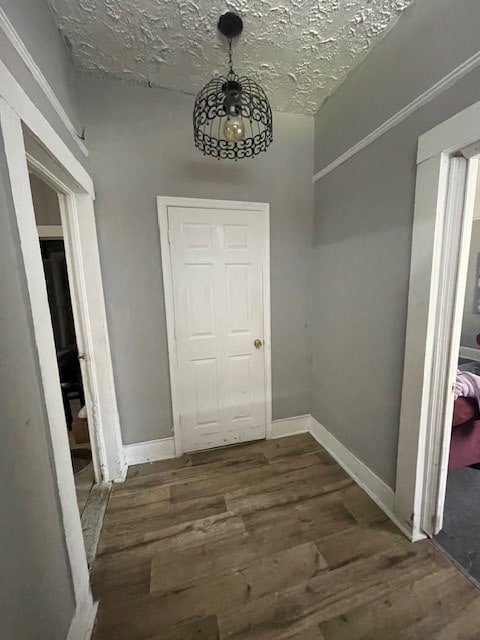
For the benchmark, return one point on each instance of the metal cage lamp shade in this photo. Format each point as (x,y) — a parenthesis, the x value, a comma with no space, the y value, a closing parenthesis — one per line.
(232,117)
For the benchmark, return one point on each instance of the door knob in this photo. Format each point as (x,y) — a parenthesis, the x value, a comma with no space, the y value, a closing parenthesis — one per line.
(257,343)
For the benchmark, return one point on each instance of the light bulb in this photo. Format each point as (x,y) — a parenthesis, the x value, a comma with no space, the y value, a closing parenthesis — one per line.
(234,129)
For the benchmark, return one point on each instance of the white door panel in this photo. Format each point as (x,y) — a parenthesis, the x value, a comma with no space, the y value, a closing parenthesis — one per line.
(217,266)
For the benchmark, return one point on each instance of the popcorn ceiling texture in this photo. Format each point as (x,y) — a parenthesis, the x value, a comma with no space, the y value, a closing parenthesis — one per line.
(299,50)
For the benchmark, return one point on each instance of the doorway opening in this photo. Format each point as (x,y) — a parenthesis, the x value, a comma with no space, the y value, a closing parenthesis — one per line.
(30,144)
(72,385)
(460,532)
(445,202)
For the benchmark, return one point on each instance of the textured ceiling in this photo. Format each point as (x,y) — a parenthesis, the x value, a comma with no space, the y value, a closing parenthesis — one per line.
(299,50)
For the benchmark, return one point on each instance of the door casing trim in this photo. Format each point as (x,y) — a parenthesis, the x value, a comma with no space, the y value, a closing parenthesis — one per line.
(434,318)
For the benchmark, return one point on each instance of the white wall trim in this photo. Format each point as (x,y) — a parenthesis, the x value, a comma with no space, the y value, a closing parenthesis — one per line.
(285,427)
(377,489)
(31,116)
(427,96)
(164,448)
(470,354)
(49,231)
(442,226)
(83,620)
(363,475)
(36,294)
(19,46)
(149,451)
(263,208)
(461,132)
(20,120)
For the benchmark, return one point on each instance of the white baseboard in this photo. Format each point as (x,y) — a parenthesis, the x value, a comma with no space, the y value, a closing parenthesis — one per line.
(289,427)
(377,489)
(150,451)
(82,624)
(363,475)
(164,449)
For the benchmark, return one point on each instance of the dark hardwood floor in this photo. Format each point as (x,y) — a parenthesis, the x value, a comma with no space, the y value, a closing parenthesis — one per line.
(268,540)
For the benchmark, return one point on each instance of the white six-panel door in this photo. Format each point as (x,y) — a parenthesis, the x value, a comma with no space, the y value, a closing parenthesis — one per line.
(216,271)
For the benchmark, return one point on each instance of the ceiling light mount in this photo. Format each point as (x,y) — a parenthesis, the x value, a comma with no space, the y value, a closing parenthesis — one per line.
(230,25)
(232,117)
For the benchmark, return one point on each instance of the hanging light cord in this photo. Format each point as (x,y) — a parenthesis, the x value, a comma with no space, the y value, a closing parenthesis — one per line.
(230,57)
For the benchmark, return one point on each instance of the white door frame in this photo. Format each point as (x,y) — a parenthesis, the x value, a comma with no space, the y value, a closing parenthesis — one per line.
(50,231)
(263,209)
(55,163)
(447,170)
(83,266)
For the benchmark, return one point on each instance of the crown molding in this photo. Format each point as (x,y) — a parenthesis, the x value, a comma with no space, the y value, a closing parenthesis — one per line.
(427,96)
(9,30)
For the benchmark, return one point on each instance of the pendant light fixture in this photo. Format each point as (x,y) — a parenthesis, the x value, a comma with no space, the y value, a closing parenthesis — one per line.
(232,116)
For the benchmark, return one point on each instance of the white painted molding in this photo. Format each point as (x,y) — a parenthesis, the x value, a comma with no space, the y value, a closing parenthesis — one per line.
(289,427)
(31,116)
(377,489)
(460,133)
(49,231)
(427,96)
(164,448)
(470,354)
(16,176)
(149,451)
(19,46)
(83,620)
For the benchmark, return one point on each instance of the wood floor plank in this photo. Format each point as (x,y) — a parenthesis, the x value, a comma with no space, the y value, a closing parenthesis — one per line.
(267,541)
(159,466)
(343,546)
(464,624)
(313,633)
(125,496)
(242,478)
(417,611)
(202,628)
(174,537)
(362,507)
(160,515)
(185,473)
(296,489)
(263,573)
(327,596)
(116,579)
(195,564)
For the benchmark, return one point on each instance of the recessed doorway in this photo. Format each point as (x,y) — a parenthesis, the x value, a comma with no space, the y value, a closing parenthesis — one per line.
(72,385)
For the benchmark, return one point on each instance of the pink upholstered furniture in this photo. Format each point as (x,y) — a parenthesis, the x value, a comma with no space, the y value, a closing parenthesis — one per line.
(465,442)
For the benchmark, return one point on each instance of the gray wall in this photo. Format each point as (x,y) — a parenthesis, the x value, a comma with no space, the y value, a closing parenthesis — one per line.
(140,142)
(35,25)
(471,319)
(363,224)
(45,202)
(36,595)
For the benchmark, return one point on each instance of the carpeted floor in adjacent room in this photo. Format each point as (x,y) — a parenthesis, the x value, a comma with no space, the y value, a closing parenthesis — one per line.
(460,536)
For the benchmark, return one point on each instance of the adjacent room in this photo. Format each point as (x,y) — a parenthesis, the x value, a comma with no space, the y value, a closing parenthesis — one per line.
(240,322)
(461,515)
(50,232)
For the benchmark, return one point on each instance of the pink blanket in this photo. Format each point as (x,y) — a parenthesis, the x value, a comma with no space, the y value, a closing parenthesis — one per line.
(467,385)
